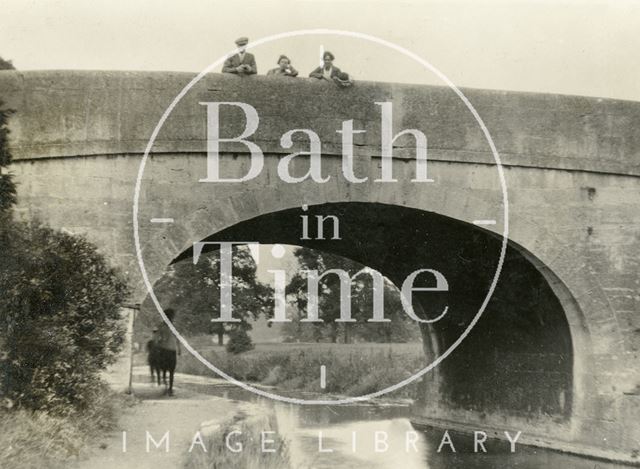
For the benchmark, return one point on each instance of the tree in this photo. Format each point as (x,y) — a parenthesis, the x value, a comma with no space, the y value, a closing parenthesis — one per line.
(239,341)
(59,316)
(7,185)
(194,292)
(329,291)
(6,64)
(400,329)
(59,309)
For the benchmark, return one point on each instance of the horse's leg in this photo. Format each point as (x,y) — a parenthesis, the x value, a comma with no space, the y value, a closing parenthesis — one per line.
(171,371)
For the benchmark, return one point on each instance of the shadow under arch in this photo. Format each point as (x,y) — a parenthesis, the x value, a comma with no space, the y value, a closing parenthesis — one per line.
(523,358)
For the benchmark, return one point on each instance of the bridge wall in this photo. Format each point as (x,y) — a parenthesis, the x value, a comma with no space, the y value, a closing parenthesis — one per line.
(571,164)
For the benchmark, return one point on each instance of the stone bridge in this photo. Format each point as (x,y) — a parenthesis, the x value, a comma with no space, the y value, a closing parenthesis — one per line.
(565,371)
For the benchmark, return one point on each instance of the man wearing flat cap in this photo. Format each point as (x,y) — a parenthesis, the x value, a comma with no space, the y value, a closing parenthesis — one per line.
(241,63)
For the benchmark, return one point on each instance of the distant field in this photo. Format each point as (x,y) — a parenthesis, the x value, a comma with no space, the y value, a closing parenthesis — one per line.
(201,343)
(352,369)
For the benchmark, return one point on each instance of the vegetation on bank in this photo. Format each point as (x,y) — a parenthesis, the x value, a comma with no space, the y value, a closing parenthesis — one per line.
(247,456)
(59,329)
(60,322)
(351,369)
(31,439)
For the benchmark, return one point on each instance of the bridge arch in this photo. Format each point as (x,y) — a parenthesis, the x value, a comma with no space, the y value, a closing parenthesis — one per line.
(553,353)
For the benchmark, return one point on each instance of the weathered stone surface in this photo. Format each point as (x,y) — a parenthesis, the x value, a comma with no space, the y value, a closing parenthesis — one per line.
(115,112)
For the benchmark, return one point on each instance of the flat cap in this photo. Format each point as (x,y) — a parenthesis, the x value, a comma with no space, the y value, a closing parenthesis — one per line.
(242,41)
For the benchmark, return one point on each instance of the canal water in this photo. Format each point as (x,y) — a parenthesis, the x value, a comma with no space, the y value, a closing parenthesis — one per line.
(344,436)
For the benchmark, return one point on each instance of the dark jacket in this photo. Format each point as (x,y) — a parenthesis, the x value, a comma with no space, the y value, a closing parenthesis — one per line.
(234,61)
(291,72)
(317,73)
(166,340)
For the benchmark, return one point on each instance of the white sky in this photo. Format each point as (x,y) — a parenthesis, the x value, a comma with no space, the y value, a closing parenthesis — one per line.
(265,262)
(573,47)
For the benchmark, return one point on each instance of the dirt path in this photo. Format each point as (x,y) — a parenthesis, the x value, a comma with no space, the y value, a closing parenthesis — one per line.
(182,416)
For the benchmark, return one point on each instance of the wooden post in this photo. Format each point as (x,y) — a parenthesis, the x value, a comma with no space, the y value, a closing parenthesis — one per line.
(131,320)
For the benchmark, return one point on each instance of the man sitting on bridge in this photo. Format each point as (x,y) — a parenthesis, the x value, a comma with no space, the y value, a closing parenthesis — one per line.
(241,63)
(284,68)
(330,72)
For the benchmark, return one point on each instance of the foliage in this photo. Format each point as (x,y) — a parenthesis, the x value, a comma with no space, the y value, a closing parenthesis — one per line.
(239,341)
(352,369)
(193,291)
(33,440)
(251,428)
(6,64)
(400,328)
(7,185)
(59,317)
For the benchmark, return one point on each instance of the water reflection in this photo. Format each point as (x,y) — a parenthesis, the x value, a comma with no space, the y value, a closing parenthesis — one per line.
(365,436)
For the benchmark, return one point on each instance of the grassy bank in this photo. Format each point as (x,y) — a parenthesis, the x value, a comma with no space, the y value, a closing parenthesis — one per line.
(352,369)
(248,452)
(37,439)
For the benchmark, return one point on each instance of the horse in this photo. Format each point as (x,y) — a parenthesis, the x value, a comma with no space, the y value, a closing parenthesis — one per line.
(161,360)
(153,359)
(166,362)
(163,349)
